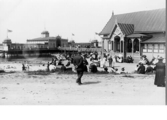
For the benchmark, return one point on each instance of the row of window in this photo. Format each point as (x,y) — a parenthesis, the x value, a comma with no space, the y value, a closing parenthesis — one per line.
(155,48)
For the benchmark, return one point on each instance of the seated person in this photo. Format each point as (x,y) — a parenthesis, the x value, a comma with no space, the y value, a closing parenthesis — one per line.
(91,58)
(63,68)
(147,61)
(105,69)
(122,70)
(142,61)
(149,69)
(120,58)
(141,69)
(60,62)
(93,68)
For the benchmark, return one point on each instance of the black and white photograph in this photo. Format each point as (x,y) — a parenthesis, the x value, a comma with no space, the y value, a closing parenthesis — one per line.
(82,52)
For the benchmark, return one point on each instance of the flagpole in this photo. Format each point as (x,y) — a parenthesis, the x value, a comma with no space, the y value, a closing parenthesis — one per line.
(7,33)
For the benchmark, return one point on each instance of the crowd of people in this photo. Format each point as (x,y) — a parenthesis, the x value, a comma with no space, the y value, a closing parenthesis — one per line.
(94,63)
(146,66)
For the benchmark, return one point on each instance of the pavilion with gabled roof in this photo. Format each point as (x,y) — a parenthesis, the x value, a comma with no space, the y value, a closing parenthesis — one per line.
(136,33)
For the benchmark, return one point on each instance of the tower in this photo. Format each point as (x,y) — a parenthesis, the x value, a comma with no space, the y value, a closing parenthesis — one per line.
(45,34)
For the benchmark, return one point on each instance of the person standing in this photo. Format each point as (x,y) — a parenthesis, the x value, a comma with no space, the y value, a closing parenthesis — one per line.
(103,61)
(23,67)
(110,61)
(160,73)
(48,64)
(113,60)
(79,66)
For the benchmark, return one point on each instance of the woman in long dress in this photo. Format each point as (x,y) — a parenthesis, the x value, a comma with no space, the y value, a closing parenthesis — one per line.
(160,74)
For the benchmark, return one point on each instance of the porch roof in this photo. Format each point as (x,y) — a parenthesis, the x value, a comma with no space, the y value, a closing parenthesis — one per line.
(157,38)
(127,29)
(136,35)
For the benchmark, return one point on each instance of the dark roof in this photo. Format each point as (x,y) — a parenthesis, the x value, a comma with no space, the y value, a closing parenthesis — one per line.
(136,35)
(143,21)
(127,29)
(7,39)
(157,38)
(94,41)
(45,32)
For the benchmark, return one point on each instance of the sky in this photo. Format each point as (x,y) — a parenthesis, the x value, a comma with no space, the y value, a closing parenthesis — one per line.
(83,18)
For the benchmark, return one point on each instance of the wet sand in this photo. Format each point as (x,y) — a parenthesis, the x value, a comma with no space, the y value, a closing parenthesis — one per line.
(60,89)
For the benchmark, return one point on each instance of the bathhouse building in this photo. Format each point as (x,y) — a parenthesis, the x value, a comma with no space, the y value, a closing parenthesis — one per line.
(136,34)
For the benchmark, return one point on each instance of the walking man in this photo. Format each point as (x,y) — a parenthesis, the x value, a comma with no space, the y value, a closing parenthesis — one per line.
(79,66)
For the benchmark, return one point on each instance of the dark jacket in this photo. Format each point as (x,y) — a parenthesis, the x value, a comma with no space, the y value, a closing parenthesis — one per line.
(160,73)
(93,68)
(78,61)
(141,69)
(85,62)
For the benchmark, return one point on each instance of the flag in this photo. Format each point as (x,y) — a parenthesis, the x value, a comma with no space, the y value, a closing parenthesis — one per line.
(9,30)
(96,33)
(72,34)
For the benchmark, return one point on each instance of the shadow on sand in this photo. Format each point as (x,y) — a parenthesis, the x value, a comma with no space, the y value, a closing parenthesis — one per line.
(89,83)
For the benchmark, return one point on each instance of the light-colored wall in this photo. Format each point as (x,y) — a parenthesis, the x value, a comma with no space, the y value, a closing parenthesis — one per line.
(106,44)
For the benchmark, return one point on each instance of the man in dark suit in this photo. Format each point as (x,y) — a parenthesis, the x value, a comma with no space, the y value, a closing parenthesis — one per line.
(79,65)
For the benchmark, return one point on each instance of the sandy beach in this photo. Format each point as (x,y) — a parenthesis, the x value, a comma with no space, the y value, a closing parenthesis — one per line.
(60,89)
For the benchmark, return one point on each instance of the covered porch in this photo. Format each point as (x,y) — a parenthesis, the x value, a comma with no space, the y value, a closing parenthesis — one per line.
(127,46)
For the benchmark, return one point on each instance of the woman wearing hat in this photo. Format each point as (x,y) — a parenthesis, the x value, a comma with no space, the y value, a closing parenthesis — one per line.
(160,73)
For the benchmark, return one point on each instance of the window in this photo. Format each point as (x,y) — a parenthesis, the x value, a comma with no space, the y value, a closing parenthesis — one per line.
(155,46)
(145,46)
(161,46)
(150,46)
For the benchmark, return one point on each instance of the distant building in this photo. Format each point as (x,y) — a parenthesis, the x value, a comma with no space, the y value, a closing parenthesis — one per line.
(136,34)
(52,42)
(44,43)
(92,44)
